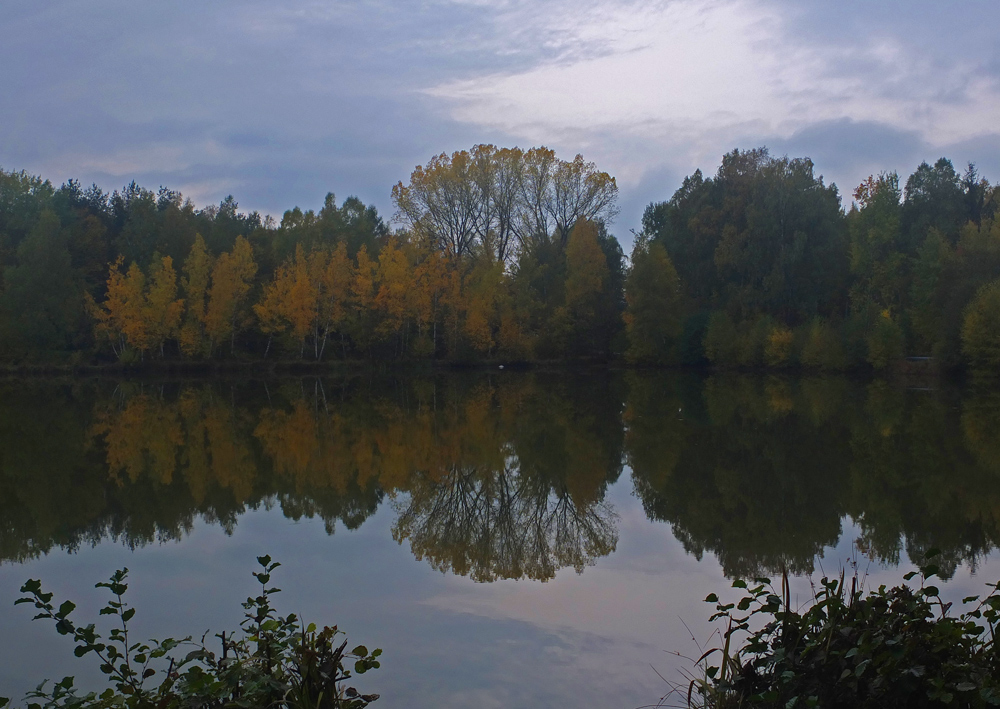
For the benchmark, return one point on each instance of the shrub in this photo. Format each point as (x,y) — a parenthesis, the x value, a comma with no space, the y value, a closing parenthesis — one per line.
(277,661)
(892,647)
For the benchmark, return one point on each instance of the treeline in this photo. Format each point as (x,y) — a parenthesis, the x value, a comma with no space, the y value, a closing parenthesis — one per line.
(762,267)
(504,254)
(507,476)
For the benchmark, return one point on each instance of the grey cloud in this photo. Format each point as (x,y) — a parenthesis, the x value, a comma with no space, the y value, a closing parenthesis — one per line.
(279,103)
(845,151)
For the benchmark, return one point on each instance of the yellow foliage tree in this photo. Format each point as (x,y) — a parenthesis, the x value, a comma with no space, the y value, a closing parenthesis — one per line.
(432,279)
(395,286)
(194,284)
(163,310)
(364,289)
(120,319)
(335,296)
(481,289)
(232,278)
(290,303)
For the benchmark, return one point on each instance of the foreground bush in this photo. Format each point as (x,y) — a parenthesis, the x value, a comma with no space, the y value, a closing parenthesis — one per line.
(276,662)
(892,647)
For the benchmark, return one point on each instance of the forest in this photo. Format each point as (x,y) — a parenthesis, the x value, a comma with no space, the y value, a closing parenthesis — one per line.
(506,255)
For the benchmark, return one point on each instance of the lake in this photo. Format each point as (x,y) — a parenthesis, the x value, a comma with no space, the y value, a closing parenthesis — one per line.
(535,538)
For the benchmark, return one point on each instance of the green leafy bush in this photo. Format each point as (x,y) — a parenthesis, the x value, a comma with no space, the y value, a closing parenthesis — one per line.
(892,647)
(275,662)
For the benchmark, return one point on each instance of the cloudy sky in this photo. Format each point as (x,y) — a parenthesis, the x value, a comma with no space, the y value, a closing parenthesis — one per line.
(279,102)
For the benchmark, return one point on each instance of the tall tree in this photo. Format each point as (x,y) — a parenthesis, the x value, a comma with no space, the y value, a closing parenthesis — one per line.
(120,319)
(41,304)
(653,315)
(163,309)
(194,284)
(487,200)
(586,277)
(335,297)
(227,311)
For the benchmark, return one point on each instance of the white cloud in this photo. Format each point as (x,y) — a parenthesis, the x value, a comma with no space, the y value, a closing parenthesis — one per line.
(692,77)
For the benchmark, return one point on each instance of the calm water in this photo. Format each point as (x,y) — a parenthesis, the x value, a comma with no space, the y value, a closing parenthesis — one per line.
(518,539)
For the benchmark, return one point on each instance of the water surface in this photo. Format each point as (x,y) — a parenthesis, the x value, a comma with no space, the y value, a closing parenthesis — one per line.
(508,539)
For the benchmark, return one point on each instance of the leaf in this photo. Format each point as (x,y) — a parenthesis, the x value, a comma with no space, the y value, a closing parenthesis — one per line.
(965,687)
(360,650)
(711,598)
(127,615)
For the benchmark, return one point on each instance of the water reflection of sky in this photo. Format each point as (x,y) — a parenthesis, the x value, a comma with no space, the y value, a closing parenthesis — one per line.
(590,639)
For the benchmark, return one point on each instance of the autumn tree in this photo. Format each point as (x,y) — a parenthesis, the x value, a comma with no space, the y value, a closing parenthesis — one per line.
(432,278)
(120,319)
(443,202)
(393,300)
(489,200)
(335,297)
(364,290)
(480,293)
(195,281)
(290,302)
(232,278)
(162,309)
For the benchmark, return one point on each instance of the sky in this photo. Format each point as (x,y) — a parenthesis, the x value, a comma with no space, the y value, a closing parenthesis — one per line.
(278,102)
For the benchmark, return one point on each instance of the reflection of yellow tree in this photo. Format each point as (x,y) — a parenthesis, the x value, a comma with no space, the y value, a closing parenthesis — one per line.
(216,451)
(143,439)
(507,500)
(493,524)
(309,448)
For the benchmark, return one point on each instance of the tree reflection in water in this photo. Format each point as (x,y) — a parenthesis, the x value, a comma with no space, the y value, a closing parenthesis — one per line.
(506,477)
(493,524)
